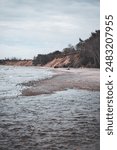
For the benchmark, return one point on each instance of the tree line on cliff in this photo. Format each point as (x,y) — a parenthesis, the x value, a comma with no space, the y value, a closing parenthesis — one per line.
(86,53)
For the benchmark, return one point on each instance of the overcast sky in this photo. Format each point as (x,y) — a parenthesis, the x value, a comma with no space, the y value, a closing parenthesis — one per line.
(30,27)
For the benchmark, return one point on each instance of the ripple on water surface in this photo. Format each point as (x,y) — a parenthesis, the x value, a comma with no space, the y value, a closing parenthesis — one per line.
(66,120)
(11,77)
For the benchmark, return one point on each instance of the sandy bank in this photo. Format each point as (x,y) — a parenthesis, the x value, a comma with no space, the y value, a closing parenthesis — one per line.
(83,78)
(18,63)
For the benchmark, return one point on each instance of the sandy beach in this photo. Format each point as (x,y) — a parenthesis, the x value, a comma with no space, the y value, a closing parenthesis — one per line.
(82,78)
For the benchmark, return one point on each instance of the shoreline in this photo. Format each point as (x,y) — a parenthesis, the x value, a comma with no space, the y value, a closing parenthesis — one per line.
(81,78)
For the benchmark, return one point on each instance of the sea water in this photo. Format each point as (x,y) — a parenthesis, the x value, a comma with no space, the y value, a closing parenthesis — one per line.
(11,78)
(64,120)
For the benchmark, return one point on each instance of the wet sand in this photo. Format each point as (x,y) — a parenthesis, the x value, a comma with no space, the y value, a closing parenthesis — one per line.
(82,78)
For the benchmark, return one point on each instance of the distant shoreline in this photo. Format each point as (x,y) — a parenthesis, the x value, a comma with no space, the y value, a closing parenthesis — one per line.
(81,78)
(16,62)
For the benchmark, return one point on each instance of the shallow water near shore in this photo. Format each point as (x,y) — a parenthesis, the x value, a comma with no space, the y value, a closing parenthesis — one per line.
(11,78)
(64,120)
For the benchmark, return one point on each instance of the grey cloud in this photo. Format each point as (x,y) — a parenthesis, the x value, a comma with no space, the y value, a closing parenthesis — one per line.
(37,8)
(46,24)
